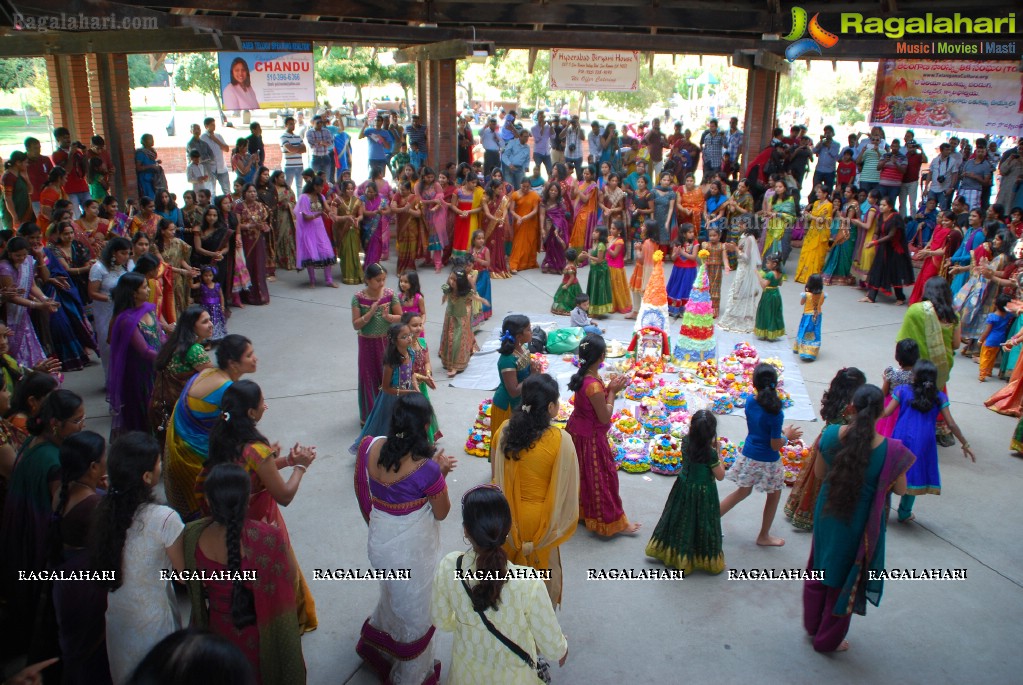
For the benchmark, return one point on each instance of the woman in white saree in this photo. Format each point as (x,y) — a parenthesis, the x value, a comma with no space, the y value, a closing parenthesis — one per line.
(399,482)
(741,305)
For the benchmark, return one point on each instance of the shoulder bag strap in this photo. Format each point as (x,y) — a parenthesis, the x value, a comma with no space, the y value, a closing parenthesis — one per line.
(507,642)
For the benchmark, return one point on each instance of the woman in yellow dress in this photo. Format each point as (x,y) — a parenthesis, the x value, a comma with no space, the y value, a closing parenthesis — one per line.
(814,251)
(587,195)
(535,464)
(863,258)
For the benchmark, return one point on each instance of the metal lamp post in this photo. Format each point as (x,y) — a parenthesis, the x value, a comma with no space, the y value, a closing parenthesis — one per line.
(168,64)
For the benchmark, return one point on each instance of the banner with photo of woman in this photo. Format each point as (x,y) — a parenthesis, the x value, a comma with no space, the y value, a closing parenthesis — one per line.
(267,75)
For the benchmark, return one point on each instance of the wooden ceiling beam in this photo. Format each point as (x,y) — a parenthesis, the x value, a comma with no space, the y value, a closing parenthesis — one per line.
(21,44)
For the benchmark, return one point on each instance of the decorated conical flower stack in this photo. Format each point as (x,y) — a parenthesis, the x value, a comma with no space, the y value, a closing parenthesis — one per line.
(696,341)
(654,310)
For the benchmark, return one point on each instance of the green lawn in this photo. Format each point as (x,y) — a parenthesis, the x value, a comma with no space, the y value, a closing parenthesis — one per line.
(13,131)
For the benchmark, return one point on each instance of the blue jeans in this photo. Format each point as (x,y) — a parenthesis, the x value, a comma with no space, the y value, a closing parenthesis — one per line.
(890,192)
(577,164)
(78,201)
(539,158)
(377,165)
(322,163)
(943,199)
(293,175)
(513,177)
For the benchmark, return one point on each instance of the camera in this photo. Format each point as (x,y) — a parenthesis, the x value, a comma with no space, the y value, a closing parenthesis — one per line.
(571,148)
(941,179)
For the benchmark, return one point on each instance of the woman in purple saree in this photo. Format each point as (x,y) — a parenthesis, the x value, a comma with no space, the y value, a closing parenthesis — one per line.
(555,230)
(403,496)
(135,339)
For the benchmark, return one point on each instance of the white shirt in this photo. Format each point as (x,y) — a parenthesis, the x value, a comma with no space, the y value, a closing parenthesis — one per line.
(291,159)
(215,141)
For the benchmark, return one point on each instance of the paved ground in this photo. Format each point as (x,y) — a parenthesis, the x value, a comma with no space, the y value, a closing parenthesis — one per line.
(703,628)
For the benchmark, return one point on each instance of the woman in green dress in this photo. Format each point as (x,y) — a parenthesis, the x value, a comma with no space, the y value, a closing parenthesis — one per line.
(514,365)
(346,215)
(422,370)
(859,468)
(838,265)
(688,534)
(770,324)
(780,218)
(282,222)
(598,286)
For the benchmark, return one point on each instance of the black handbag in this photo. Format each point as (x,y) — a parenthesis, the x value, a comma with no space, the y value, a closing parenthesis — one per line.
(538,343)
(541,666)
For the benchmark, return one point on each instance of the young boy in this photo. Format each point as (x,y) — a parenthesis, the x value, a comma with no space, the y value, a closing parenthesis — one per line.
(580,316)
(994,335)
(399,160)
(846,170)
(196,173)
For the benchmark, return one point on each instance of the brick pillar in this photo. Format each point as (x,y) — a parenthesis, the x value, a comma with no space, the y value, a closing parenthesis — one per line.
(69,94)
(111,117)
(435,90)
(761,103)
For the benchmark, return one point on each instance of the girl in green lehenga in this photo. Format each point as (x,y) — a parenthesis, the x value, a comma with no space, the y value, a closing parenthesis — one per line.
(688,534)
(770,324)
(421,367)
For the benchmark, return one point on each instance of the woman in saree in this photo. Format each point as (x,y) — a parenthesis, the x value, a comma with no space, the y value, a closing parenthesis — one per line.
(450,191)
(739,312)
(191,212)
(837,268)
(253,221)
(374,309)
(182,356)
(933,256)
(691,203)
(495,214)
(195,413)
(70,331)
(972,240)
(235,439)
(212,241)
(410,238)
(346,218)
(135,338)
(860,469)
(259,616)
(665,201)
(149,173)
(467,207)
(88,225)
(18,272)
(536,466)
(435,215)
(17,190)
(892,269)
(600,506)
(555,236)
(282,222)
(975,300)
(934,324)
(739,210)
(780,218)
(147,220)
(48,196)
(374,209)
(238,279)
(587,198)
(402,493)
(179,272)
(312,246)
(818,234)
(866,233)
(384,190)
(118,221)
(525,215)
(612,202)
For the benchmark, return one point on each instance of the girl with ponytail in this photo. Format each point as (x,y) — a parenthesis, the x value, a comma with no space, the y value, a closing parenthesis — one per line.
(235,439)
(252,607)
(859,468)
(759,465)
(479,595)
(136,539)
(400,480)
(834,411)
(28,510)
(919,405)
(599,503)
(514,366)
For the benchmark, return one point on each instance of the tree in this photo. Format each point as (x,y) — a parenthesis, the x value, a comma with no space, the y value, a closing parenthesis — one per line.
(39,90)
(140,74)
(354,66)
(653,89)
(402,74)
(19,72)
(849,98)
(790,88)
(198,71)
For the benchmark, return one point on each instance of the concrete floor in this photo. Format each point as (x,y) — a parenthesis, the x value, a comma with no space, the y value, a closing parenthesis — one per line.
(705,627)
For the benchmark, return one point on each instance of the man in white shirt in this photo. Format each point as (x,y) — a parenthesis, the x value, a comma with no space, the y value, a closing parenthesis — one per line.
(292,147)
(543,134)
(491,141)
(219,147)
(573,137)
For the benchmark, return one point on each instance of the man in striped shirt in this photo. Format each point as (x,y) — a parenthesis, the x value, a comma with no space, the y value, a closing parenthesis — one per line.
(292,148)
(417,150)
(322,143)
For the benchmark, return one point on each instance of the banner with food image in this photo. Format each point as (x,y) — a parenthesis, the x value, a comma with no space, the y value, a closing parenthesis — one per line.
(967,97)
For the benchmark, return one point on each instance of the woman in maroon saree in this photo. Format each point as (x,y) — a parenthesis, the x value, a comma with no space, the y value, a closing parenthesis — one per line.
(554,229)
(253,221)
(403,496)
(135,339)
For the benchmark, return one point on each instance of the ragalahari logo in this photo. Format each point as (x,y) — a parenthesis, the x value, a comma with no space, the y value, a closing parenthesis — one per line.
(818,38)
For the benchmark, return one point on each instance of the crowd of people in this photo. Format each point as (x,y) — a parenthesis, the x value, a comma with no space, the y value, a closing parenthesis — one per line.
(148,291)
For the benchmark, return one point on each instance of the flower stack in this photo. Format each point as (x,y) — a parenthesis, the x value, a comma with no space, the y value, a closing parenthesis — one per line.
(478,442)
(697,342)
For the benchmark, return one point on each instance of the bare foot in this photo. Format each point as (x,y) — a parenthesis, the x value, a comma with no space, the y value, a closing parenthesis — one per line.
(271,279)
(770,541)
(844,647)
(865,299)
(632,529)
(332,284)
(630,316)
(312,285)
(451,373)
(899,303)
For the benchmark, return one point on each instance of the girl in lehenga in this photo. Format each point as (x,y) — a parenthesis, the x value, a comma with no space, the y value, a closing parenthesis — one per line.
(435,214)
(564,296)
(346,217)
(741,305)
(837,268)
(715,264)
(807,343)
(770,324)
(456,338)
(818,233)
(780,219)
(536,466)
(621,299)
(688,534)
(422,370)
(235,439)
(739,209)
(402,493)
(398,380)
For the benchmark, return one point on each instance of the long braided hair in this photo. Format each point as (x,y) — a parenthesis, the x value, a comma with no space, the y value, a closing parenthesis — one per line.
(845,478)
(78,452)
(227,491)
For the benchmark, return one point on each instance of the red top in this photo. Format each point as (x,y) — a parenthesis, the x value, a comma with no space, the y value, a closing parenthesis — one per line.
(914,160)
(846,172)
(38,173)
(76,182)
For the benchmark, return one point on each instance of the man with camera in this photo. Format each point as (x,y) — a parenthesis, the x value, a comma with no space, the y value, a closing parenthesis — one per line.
(573,139)
(71,157)
(1010,166)
(944,177)
(557,142)
(380,143)
(543,135)
(891,170)
(490,139)
(915,158)
(976,176)
(828,151)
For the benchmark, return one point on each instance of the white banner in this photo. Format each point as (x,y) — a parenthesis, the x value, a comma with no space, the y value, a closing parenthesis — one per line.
(269,75)
(594,69)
